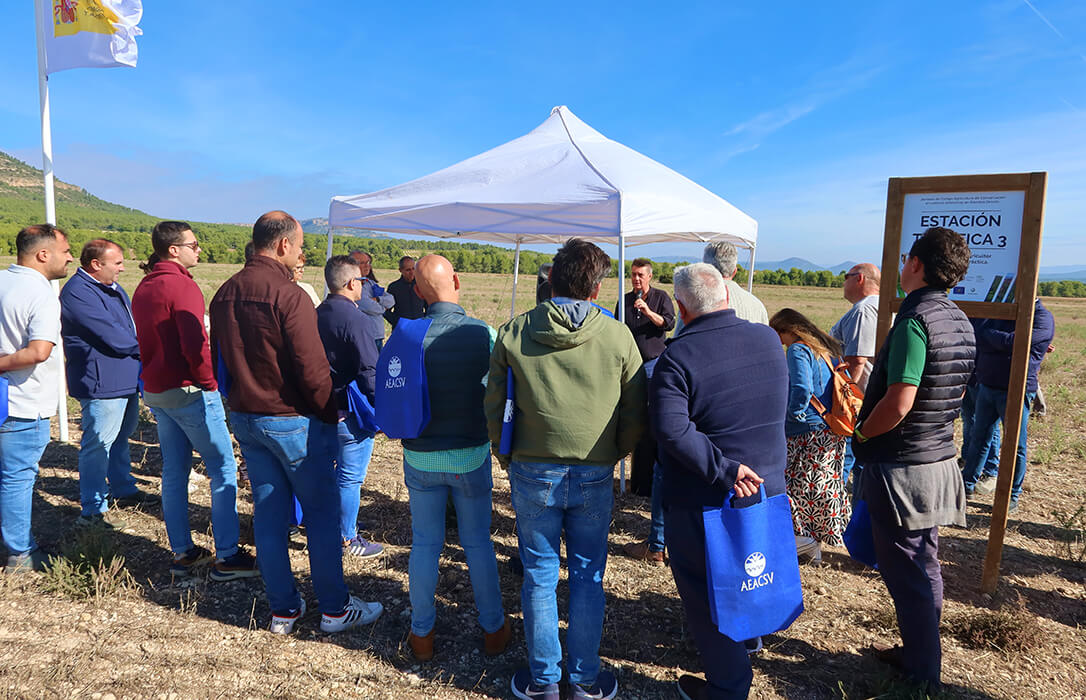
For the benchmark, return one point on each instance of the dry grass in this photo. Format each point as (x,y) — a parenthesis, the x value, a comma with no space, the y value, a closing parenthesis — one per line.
(195,638)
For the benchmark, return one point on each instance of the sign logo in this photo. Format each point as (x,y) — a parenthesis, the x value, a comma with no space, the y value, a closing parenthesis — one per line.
(394,366)
(755,564)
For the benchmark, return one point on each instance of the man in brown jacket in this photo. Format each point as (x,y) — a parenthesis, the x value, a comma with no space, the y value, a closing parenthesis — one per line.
(272,367)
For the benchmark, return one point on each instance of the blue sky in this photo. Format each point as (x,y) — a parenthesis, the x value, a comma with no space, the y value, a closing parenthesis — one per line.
(795,112)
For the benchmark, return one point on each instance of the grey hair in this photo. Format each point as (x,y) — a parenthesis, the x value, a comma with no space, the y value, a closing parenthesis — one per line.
(723,256)
(339,271)
(700,287)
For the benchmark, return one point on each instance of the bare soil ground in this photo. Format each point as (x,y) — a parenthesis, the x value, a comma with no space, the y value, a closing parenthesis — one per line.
(162,638)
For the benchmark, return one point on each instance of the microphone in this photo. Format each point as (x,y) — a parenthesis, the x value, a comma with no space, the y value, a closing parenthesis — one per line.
(640,293)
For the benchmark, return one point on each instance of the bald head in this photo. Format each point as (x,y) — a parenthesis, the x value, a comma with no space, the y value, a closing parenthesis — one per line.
(861,281)
(436,280)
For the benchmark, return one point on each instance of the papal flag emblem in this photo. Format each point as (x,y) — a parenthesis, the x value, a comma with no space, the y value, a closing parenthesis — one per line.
(90,33)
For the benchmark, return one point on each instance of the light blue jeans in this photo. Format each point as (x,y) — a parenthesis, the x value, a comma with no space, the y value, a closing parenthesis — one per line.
(352,462)
(656,524)
(200,424)
(550,499)
(22,442)
(104,453)
(990,452)
(293,455)
(429,492)
(989,413)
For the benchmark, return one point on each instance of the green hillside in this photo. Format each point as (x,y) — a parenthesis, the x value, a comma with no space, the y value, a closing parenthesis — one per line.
(85,216)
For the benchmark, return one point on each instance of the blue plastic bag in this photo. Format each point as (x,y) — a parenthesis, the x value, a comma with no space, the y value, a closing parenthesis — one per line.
(752,567)
(360,408)
(3,399)
(402,397)
(858,539)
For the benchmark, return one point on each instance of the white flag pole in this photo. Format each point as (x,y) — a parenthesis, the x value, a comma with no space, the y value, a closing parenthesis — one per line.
(50,205)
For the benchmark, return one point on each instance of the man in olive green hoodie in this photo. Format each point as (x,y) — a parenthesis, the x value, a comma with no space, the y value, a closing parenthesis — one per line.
(579,408)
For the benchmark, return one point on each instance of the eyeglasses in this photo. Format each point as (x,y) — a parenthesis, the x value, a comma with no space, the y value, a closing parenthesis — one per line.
(904,258)
(194,245)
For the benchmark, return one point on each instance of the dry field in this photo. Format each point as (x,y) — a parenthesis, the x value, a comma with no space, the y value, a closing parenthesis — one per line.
(133,632)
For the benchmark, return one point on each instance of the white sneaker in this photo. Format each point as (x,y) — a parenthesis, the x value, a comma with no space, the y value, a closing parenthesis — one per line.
(810,548)
(358,612)
(284,624)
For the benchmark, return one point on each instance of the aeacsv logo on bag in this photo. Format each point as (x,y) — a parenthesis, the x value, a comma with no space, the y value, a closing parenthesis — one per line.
(754,565)
(395,381)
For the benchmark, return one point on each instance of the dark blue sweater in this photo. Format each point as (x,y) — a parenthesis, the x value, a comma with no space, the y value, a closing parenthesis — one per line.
(101,353)
(717,400)
(350,346)
(995,346)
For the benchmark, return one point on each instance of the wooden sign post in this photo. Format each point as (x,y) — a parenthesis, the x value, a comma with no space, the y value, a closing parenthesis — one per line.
(1001,218)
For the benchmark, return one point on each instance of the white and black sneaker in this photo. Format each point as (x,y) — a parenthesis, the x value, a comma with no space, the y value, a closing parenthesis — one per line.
(358,612)
(283,622)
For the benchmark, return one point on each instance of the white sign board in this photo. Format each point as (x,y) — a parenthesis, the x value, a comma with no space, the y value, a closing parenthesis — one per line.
(990,222)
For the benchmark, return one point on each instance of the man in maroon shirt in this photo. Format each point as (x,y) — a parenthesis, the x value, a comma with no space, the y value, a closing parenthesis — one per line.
(264,329)
(180,390)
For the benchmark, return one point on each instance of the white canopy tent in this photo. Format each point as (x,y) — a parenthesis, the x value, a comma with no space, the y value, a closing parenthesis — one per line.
(562,180)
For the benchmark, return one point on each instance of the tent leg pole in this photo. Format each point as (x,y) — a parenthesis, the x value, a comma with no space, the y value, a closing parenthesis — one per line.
(516,278)
(621,319)
(750,274)
(328,255)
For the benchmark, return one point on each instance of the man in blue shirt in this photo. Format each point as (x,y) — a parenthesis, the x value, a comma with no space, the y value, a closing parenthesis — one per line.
(352,355)
(995,348)
(102,359)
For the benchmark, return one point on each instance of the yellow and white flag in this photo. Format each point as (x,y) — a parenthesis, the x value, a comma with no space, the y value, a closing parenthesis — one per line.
(90,33)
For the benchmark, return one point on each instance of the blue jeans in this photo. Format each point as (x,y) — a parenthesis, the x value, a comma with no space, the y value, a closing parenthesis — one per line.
(549,499)
(656,526)
(429,492)
(285,455)
(104,453)
(22,442)
(352,461)
(200,424)
(990,410)
(990,452)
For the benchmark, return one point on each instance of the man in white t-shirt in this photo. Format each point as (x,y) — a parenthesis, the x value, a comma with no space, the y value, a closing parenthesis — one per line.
(856,333)
(29,329)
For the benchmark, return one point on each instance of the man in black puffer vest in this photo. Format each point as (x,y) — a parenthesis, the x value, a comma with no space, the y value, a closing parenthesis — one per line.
(905,441)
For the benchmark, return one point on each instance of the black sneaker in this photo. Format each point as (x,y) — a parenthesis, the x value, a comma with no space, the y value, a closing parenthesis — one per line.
(238,565)
(183,564)
(605,688)
(139,498)
(523,687)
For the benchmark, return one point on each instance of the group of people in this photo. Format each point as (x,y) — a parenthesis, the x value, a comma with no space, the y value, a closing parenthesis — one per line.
(718,411)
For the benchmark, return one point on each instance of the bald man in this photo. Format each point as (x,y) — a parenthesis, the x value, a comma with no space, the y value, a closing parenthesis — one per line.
(451,458)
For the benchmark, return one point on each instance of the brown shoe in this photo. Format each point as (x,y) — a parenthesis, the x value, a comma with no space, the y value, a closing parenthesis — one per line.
(495,642)
(422,647)
(640,550)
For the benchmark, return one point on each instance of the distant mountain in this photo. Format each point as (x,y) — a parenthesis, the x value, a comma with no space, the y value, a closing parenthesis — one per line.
(320,226)
(1059,273)
(805,265)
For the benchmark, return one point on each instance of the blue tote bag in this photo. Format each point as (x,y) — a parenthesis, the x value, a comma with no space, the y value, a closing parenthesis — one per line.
(752,567)
(858,539)
(3,399)
(505,446)
(360,408)
(402,397)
